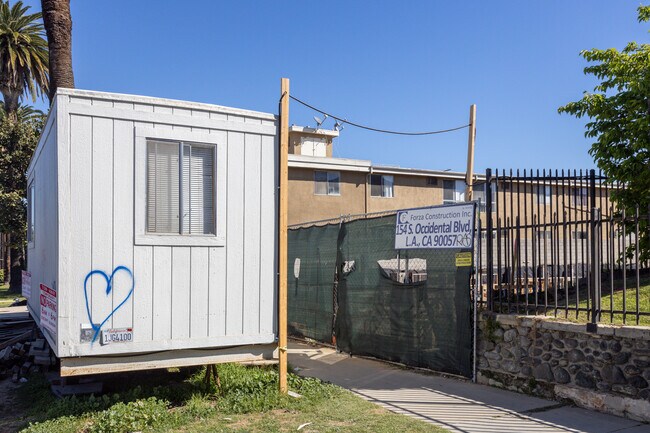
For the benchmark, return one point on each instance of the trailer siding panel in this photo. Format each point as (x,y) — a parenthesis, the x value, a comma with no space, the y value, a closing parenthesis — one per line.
(235,237)
(122,205)
(101,211)
(162,295)
(45,218)
(252,219)
(80,223)
(199,294)
(268,239)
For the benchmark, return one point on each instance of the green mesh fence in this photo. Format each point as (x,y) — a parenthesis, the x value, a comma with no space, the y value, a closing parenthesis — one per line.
(411,306)
(312,256)
(408,306)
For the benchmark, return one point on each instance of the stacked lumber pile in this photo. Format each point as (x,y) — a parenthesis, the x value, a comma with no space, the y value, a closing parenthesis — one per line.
(15,323)
(23,350)
(21,359)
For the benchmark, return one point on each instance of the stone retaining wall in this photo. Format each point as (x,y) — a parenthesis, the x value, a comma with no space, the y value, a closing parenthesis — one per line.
(608,370)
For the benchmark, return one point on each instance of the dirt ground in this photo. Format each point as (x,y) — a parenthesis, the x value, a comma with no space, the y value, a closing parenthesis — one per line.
(10,419)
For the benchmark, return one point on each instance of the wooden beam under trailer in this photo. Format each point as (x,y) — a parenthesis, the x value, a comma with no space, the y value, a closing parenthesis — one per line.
(251,354)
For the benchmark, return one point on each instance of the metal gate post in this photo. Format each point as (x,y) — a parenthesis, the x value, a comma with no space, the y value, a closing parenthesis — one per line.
(594,279)
(488,237)
(595,264)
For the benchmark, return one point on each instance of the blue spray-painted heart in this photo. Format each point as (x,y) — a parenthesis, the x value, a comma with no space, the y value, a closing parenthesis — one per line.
(109,287)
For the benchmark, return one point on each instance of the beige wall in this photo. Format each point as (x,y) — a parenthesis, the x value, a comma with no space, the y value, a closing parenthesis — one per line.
(354,198)
(306,206)
(408,192)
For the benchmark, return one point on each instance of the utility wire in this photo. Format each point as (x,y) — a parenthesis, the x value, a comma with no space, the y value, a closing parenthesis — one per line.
(385,131)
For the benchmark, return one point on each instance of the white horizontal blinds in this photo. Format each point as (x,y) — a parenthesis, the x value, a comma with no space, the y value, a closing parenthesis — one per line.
(162,187)
(185,185)
(180,188)
(200,214)
(387,186)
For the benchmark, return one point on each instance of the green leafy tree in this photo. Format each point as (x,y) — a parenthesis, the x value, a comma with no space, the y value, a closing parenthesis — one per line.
(619,120)
(23,55)
(18,140)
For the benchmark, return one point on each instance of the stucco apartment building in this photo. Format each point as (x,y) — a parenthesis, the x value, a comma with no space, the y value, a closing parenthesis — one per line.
(323,187)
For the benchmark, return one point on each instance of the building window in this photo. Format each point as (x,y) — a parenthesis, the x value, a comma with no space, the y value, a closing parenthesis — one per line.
(579,197)
(381,185)
(326,182)
(480,194)
(581,235)
(544,194)
(432,181)
(453,191)
(30,212)
(180,188)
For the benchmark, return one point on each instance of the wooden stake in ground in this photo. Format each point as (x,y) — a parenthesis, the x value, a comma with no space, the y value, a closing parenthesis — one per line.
(469,176)
(282,241)
(211,372)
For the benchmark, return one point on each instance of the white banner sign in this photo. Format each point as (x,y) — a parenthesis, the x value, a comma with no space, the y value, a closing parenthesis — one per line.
(27,285)
(435,227)
(49,315)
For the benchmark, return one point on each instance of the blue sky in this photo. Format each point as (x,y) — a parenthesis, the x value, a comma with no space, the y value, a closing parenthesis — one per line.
(393,65)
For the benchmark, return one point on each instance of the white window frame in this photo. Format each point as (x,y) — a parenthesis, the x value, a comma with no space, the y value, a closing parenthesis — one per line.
(382,176)
(459,191)
(580,196)
(327,182)
(142,237)
(480,192)
(31,213)
(544,194)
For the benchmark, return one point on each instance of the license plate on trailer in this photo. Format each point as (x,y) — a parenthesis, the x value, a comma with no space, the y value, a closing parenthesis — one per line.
(124,335)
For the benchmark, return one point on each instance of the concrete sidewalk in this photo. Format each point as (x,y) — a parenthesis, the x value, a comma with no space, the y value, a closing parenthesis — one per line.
(456,405)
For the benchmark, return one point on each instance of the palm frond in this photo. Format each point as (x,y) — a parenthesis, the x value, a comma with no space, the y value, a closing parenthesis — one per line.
(24,64)
(25,113)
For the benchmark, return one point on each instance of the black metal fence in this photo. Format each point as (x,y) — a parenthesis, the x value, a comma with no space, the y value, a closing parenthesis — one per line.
(555,243)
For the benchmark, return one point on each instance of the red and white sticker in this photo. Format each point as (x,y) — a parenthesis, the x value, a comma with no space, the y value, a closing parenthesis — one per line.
(49,316)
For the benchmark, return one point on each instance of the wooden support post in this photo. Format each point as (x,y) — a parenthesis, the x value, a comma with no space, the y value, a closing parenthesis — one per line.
(282,241)
(469,176)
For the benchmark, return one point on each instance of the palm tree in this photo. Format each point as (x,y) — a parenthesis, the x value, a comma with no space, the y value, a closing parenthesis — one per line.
(24,113)
(58,25)
(23,55)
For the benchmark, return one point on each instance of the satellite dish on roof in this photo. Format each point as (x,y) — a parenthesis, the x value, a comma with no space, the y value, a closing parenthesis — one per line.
(319,122)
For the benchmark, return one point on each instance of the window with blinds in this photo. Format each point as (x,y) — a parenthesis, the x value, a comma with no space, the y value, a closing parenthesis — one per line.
(381,185)
(180,188)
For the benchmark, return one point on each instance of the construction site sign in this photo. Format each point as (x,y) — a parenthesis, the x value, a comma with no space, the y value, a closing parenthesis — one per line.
(435,227)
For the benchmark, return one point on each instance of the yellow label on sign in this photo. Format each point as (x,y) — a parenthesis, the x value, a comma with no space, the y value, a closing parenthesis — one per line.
(463,259)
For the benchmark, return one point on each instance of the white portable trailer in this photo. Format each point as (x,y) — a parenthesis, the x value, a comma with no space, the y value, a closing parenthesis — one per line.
(152,233)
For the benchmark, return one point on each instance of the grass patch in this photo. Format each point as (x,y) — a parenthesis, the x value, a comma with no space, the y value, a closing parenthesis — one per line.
(248,401)
(6,297)
(615,302)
